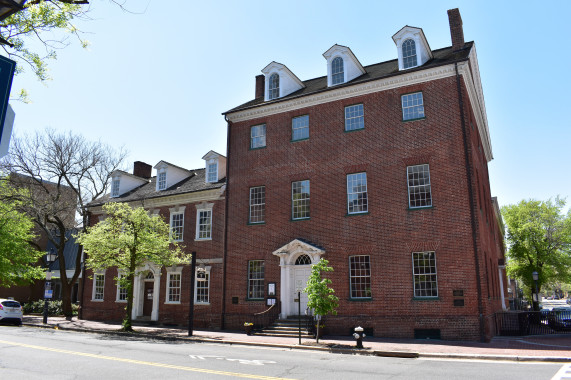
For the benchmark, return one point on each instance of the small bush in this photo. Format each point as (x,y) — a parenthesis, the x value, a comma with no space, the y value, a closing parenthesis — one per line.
(54,307)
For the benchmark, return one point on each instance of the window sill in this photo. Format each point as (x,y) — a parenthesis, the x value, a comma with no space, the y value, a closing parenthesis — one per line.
(357,213)
(418,118)
(354,130)
(201,303)
(426,298)
(97,300)
(172,302)
(121,301)
(203,239)
(419,208)
(254,299)
(368,299)
(257,148)
(307,138)
(299,219)
(256,224)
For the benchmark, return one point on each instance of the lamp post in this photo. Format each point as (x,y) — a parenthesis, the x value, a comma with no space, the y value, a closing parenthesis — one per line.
(50,258)
(535,276)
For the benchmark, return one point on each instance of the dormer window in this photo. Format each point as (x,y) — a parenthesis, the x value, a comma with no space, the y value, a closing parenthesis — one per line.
(274,86)
(215,167)
(409,54)
(212,171)
(115,187)
(162,180)
(337,73)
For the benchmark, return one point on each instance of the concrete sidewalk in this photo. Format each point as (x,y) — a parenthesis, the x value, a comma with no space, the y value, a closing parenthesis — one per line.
(555,348)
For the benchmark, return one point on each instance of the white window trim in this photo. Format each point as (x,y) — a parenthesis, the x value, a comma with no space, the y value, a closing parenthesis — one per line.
(119,275)
(211,162)
(100,273)
(159,172)
(207,270)
(171,271)
(199,208)
(116,180)
(331,69)
(176,211)
(347,194)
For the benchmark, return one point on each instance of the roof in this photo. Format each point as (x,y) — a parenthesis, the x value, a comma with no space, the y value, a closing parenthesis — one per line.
(381,70)
(194,183)
(70,251)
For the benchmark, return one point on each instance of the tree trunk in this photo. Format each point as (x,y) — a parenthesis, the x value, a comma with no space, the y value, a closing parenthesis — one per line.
(317,332)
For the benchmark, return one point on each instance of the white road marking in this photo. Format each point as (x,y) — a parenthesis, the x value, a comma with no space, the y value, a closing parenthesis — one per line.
(564,373)
(241,361)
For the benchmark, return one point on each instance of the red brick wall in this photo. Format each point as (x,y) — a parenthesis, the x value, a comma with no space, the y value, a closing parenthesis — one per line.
(388,233)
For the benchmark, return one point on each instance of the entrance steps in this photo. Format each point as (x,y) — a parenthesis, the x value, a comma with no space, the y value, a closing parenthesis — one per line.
(288,328)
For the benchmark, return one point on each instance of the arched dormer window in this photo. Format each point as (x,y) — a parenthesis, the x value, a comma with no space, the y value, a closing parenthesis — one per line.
(274,86)
(337,72)
(409,54)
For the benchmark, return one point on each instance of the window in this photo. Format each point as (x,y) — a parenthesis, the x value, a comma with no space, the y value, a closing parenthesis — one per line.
(256,279)
(409,54)
(354,118)
(115,187)
(258,136)
(337,75)
(121,289)
(357,193)
(300,128)
(360,276)
(300,199)
(202,286)
(412,106)
(162,180)
(257,204)
(204,224)
(98,286)
(419,194)
(173,288)
(177,226)
(212,172)
(424,271)
(274,87)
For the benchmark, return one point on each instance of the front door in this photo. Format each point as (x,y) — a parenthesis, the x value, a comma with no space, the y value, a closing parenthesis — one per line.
(148,301)
(300,276)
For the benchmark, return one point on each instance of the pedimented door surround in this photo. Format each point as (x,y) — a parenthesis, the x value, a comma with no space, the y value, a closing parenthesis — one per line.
(288,255)
(150,273)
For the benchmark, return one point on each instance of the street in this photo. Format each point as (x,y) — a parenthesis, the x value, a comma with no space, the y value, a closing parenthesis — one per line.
(32,353)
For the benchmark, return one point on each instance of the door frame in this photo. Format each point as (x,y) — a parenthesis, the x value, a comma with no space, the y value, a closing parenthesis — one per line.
(139,291)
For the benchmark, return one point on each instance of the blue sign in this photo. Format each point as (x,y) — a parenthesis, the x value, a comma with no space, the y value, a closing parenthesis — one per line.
(7,67)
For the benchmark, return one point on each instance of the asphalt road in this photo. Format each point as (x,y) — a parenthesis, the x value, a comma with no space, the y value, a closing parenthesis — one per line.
(31,353)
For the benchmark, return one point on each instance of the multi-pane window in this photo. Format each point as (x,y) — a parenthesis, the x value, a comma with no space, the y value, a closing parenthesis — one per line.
(357,193)
(177,226)
(337,75)
(424,273)
(202,286)
(412,106)
(300,128)
(354,118)
(173,289)
(162,180)
(274,87)
(212,172)
(419,194)
(121,289)
(98,286)
(258,136)
(204,224)
(115,188)
(255,279)
(300,199)
(409,54)
(360,276)
(257,204)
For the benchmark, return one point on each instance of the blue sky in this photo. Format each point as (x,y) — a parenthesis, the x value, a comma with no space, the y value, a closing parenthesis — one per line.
(157,82)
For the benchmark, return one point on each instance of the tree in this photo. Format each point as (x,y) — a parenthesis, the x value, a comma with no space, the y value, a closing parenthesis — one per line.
(61,172)
(18,256)
(127,239)
(321,297)
(539,239)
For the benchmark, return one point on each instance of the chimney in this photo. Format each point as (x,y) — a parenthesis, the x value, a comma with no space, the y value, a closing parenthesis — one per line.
(456,31)
(260,86)
(140,169)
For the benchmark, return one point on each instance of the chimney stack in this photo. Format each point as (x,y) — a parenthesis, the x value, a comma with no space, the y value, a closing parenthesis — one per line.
(260,86)
(456,30)
(140,169)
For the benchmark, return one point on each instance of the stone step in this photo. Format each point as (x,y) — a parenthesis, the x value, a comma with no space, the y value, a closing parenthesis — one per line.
(283,335)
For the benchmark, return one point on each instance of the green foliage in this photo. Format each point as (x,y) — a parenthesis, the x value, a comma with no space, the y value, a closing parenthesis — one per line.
(18,257)
(54,307)
(128,238)
(539,239)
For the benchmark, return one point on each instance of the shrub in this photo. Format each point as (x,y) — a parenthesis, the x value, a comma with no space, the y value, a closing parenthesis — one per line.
(54,307)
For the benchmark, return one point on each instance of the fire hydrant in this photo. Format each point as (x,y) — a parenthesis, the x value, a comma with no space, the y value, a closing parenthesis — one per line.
(359,335)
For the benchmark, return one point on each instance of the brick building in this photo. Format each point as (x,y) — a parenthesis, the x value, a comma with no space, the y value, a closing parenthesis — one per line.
(380,169)
(193,202)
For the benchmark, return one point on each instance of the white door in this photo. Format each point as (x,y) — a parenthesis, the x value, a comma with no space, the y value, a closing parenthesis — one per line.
(300,276)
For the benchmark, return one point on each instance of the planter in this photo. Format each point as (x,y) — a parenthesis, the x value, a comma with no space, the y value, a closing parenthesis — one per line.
(248,329)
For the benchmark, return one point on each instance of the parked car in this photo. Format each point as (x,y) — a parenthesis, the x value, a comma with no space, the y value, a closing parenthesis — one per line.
(560,318)
(11,312)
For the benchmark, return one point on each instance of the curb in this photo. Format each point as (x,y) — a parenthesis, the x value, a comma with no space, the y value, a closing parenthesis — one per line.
(556,359)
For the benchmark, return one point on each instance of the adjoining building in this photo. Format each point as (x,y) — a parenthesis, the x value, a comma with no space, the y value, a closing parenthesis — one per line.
(383,171)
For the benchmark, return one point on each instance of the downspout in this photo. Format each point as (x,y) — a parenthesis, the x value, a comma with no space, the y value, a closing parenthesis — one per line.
(224,254)
(472,206)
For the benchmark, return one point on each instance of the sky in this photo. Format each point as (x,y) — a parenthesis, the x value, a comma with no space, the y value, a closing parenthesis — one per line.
(156,80)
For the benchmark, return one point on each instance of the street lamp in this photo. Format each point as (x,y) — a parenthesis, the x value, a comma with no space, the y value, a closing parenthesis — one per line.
(535,276)
(50,258)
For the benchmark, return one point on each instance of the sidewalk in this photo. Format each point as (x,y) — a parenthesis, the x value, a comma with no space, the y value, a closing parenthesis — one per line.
(555,348)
